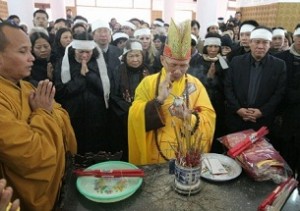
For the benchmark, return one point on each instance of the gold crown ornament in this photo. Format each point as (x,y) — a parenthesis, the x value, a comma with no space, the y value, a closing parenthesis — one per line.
(178,44)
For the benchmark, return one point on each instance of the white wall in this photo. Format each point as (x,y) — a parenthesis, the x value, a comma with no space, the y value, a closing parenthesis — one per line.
(93,13)
(209,10)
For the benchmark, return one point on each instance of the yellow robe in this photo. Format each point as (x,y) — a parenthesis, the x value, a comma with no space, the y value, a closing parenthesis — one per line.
(141,144)
(32,153)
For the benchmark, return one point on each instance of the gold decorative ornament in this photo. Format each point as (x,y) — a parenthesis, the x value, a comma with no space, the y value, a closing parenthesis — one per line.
(178,44)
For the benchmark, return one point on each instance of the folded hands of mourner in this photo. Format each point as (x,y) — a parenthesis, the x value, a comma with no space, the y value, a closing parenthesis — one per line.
(211,71)
(43,96)
(249,114)
(5,197)
(84,68)
(50,70)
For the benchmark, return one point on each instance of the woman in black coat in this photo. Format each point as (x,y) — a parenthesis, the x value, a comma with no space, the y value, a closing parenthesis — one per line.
(209,69)
(43,64)
(125,79)
(82,87)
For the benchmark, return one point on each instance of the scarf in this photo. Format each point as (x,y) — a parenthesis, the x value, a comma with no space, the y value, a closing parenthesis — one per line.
(66,75)
(222,61)
(293,51)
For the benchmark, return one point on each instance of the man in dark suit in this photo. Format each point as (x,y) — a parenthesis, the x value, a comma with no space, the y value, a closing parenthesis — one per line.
(102,36)
(254,85)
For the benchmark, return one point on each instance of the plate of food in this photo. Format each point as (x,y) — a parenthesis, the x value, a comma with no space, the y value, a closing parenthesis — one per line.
(218,167)
(106,189)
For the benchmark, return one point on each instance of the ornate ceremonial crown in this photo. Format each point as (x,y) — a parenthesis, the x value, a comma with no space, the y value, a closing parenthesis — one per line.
(178,44)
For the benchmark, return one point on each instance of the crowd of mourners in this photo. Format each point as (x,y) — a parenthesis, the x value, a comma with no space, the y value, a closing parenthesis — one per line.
(250,72)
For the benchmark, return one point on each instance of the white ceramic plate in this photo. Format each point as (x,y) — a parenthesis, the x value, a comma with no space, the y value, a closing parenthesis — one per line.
(107,190)
(232,167)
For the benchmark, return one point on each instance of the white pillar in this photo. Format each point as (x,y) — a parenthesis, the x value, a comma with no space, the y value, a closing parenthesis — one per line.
(24,9)
(208,12)
(169,10)
(58,9)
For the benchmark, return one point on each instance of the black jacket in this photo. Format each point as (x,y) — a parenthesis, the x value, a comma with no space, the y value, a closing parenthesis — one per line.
(291,103)
(112,58)
(83,98)
(270,93)
(236,52)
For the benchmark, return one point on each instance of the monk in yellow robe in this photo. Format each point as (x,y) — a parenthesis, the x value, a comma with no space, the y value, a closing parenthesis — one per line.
(35,132)
(150,131)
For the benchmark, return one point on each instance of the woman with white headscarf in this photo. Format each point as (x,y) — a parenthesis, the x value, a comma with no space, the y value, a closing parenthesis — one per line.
(82,87)
(144,35)
(210,70)
(124,82)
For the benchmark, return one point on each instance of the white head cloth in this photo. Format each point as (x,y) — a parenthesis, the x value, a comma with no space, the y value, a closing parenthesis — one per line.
(83,44)
(212,41)
(38,29)
(87,45)
(134,46)
(118,35)
(216,41)
(194,38)
(213,24)
(246,28)
(157,22)
(100,24)
(129,24)
(297,31)
(261,34)
(278,32)
(80,21)
(221,20)
(143,31)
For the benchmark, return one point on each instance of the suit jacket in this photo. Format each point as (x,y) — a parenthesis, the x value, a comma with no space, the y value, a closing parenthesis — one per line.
(112,59)
(270,92)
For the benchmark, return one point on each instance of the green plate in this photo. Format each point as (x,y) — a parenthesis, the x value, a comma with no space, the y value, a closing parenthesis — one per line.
(106,190)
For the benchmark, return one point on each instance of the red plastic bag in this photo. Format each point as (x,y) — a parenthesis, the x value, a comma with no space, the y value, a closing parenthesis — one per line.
(260,161)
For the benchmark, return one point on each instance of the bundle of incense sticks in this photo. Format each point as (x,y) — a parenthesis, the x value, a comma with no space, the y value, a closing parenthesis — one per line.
(110,173)
(247,142)
(277,198)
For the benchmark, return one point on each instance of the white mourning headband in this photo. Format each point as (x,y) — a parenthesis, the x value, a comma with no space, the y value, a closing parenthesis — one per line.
(194,38)
(143,31)
(84,44)
(100,24)
(156,22)
(261,34)
(120,35)
(297,32)
(87,45)
(212,41)
(129,24)
(80,21)
(134,46)
(278,32)
(246,28)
